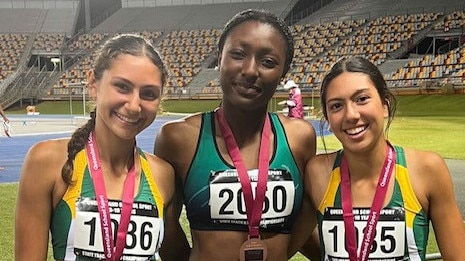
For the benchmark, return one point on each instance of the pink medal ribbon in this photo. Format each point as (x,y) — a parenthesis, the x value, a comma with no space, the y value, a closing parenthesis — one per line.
(380,194)
(253,207)
(111,253)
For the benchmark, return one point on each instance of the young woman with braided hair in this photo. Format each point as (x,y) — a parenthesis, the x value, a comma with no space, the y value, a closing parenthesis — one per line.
(97,193)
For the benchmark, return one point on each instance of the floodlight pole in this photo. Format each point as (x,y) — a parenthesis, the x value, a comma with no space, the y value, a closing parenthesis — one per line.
(70,102)
(81,84)
(83,98)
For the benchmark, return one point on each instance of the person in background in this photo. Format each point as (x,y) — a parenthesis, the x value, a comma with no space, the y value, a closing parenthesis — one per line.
(294,103)
(96,193)
(376,200)
(221,156)
(6,126)
(2,113)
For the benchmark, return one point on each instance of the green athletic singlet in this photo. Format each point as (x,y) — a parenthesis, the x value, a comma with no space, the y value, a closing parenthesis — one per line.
(402,229)
(213,194)
(75,226)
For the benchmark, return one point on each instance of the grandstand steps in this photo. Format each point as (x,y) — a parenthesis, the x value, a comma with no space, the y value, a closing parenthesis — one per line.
(26,53)
(210,61)
(416,39)
(11,93)
(390,66)
(201,80)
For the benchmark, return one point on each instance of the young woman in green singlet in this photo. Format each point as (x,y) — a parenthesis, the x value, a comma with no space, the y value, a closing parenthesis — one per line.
(376,200)
(221,156)
(97,194)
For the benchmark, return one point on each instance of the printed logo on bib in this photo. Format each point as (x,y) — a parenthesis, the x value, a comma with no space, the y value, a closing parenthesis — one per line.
(389,240)
(227,205)
(142,240)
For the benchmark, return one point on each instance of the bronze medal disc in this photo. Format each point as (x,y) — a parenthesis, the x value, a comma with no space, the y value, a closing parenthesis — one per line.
(253,249)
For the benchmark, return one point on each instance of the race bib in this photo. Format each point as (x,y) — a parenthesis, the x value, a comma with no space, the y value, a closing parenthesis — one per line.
(143,238)
(389,240)
(227,204)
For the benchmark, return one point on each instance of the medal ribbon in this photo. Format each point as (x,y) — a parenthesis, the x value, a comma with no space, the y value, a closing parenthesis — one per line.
(380,194)
(253,207)
(111,253)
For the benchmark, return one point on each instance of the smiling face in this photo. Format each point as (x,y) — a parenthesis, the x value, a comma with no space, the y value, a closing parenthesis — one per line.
(355,111)
(127,95)
(251,64)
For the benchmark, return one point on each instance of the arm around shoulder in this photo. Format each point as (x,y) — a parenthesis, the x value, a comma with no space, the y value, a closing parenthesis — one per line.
(316,180)
(175,245)
(172,144)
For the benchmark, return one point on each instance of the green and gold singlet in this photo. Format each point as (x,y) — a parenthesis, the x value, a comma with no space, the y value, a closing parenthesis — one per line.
(402,229)
(75,226)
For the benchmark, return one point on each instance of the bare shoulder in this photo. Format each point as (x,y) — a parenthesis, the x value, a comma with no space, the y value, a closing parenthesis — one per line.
(301,137)
(297,126)
(425,162)
(317,176)
(49,151)
(163,174)
(176,142)
(428,172)
(321,165)
(42,166)
(179,131)
(159,164)
(188,121)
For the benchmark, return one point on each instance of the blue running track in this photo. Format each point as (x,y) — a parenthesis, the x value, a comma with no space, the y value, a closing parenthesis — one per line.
(13,150)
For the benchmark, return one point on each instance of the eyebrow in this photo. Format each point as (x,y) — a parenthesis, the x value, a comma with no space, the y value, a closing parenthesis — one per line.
(118,78)
(357,92)
(264,48)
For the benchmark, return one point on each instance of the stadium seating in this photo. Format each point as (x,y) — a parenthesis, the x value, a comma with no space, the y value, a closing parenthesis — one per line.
(318,44)
(11,46)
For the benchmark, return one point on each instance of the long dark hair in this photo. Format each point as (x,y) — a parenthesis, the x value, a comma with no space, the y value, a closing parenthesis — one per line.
(360,65)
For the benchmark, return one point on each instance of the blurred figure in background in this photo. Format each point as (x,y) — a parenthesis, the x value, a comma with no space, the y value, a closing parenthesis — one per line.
(6,125)
(294,103)
(2,113)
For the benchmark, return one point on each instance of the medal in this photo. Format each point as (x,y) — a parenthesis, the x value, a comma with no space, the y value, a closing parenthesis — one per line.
(253,249)
(112,250)
(377,205)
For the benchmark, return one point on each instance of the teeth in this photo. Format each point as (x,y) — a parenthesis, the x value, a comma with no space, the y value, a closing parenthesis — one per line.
(124,118)
(355,130)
